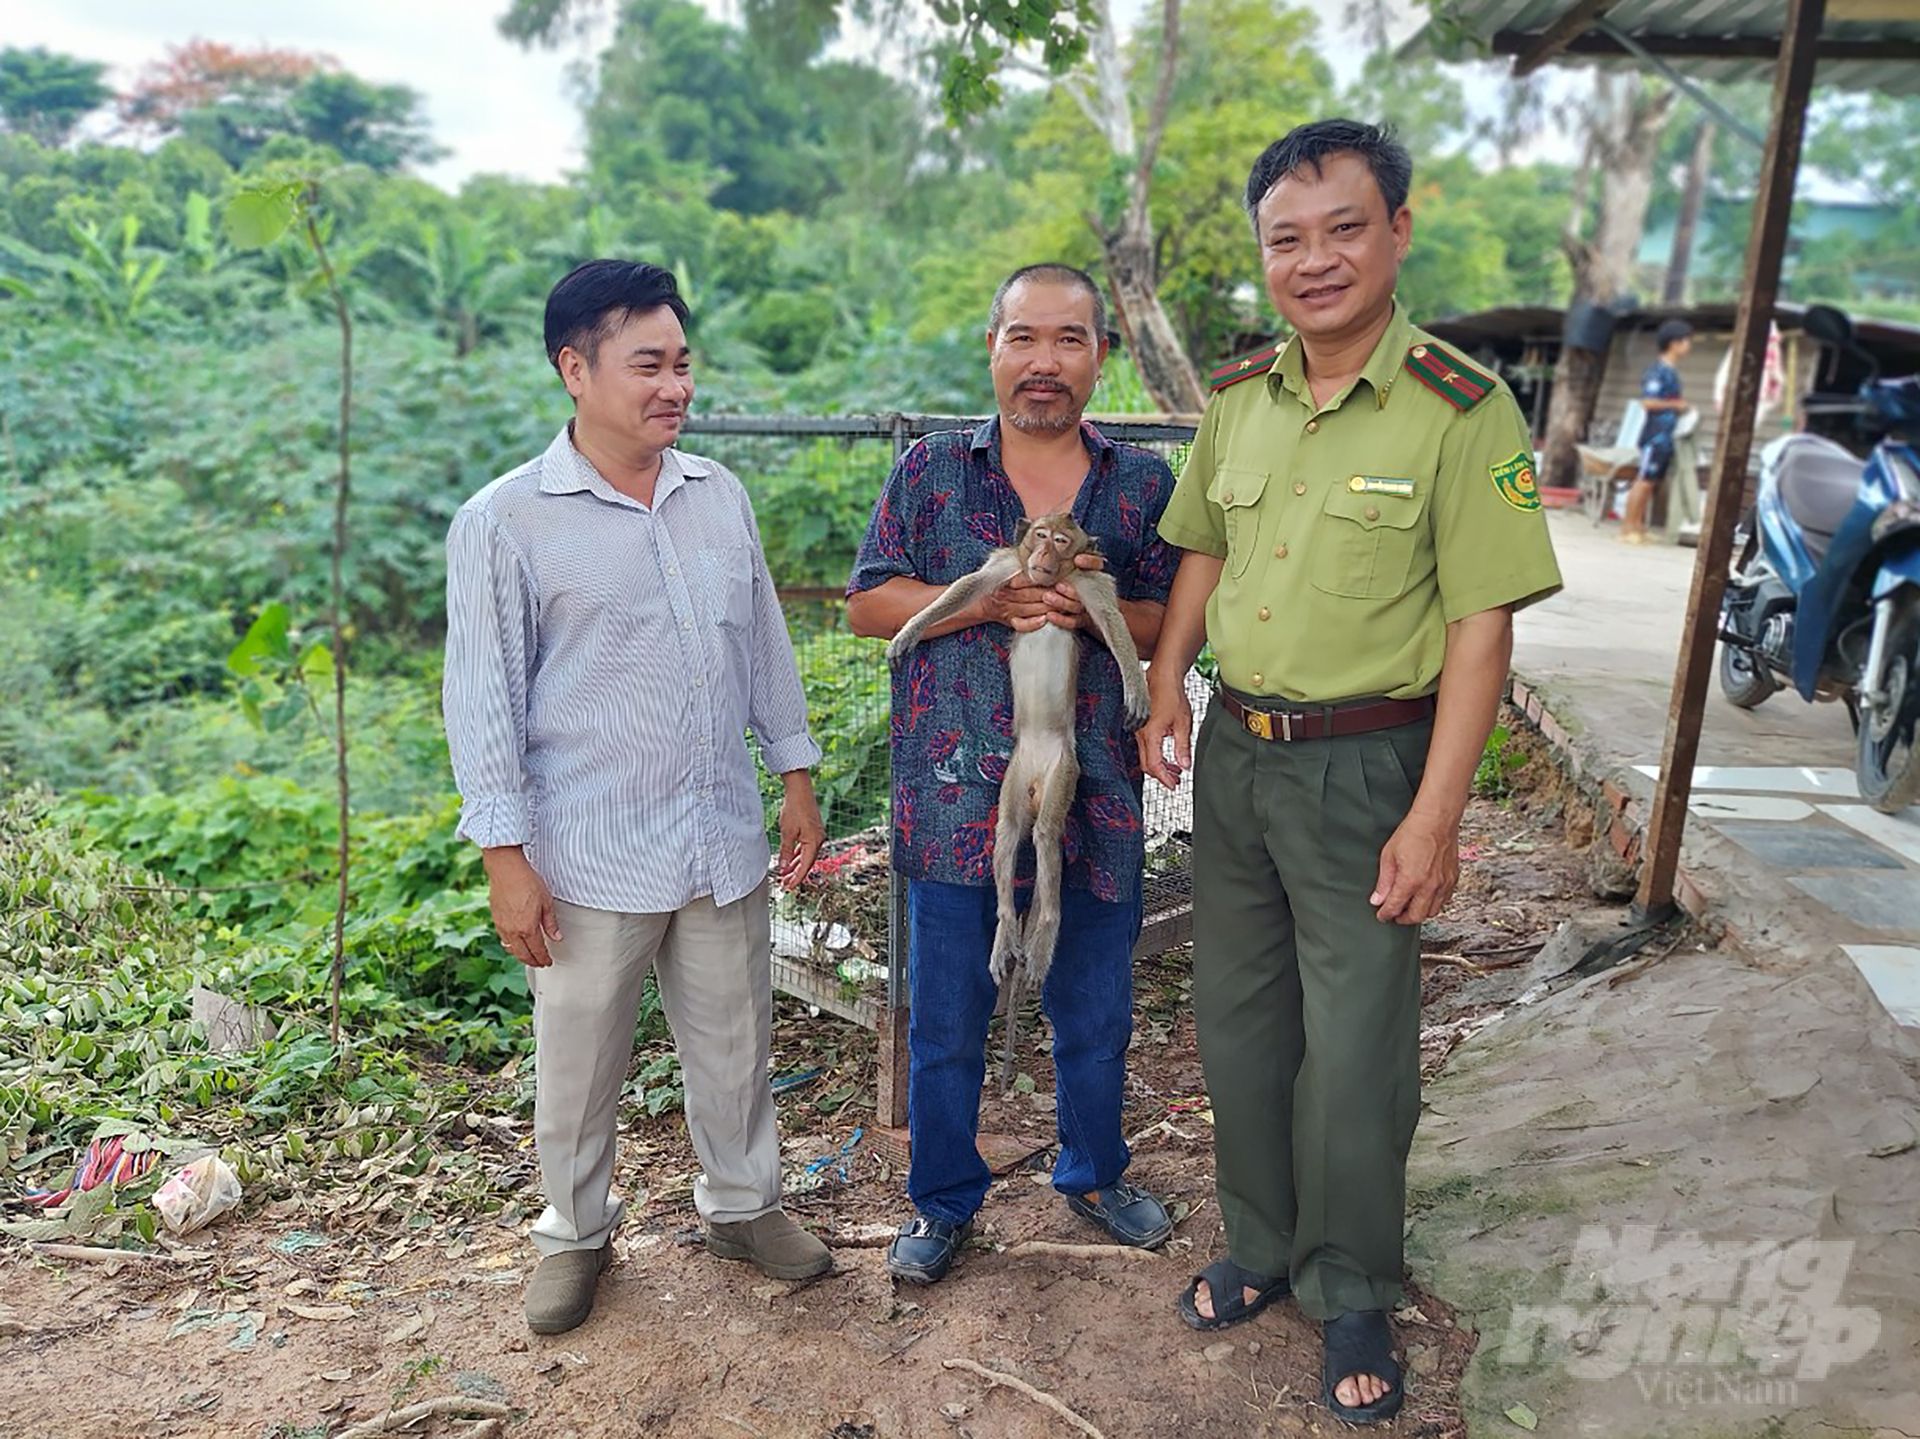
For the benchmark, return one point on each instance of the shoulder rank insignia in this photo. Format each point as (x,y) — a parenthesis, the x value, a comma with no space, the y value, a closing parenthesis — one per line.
(1244,367)
(1448,376)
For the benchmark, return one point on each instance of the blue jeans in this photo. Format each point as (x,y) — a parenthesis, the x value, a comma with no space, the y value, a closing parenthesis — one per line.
(1088,998)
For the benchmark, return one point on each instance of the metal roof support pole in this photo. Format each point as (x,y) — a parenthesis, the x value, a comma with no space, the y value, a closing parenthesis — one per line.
(1685,84)
(1766,243)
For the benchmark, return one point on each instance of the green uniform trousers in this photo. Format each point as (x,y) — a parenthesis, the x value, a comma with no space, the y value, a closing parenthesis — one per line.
(1306,1005)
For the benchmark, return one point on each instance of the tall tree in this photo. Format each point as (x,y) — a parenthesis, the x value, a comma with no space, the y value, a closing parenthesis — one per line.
(1692,195)
(234,101)
(1247,72)
(200,73)
(1869,139)
(1125,230)
(44,95)
(976,36)
(1623,124)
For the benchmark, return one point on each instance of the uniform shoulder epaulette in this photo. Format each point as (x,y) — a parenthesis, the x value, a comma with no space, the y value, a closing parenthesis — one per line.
(1244,367)
(1448,376)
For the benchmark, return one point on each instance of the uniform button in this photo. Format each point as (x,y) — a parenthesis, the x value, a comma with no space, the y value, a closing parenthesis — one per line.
(1280,553)
(1373,512)
(1313,427)
(1265,613)
(671,570)
(1258,680)
(1228,497)
(1299,487)
(1419,352)
(1357,483)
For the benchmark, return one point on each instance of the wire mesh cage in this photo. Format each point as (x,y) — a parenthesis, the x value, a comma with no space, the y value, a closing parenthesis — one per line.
(840,943)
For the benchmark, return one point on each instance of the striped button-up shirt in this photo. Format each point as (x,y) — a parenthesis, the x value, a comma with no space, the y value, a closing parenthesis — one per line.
(604,661)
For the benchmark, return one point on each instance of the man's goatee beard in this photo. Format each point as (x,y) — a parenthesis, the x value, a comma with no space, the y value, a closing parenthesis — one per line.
(1028,422)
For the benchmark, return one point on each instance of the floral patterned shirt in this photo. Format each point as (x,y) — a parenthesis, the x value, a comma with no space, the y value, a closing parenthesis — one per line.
(946,506)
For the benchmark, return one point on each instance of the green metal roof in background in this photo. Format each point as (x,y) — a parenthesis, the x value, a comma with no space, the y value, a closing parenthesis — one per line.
(1864,44)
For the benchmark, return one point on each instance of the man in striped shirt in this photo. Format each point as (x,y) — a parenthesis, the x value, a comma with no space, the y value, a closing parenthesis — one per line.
(612,632)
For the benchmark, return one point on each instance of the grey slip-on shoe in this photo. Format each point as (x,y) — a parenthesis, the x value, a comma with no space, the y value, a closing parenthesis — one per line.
(780,1248)
(560,1294)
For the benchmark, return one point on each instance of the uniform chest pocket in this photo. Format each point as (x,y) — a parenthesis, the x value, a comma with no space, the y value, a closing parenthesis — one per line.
(1237,493)
(726,582)
(1364,545)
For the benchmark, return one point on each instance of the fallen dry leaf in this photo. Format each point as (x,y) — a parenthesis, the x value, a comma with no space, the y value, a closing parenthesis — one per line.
(411,1329)
(320,1311)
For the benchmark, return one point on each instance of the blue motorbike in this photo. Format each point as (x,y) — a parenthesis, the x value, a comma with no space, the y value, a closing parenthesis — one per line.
(1825,591)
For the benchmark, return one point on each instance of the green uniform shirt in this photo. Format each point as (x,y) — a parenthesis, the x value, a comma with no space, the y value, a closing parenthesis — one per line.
(1355,532)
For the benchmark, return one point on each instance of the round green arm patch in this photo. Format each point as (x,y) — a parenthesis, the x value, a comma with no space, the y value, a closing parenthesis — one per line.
(1514,480)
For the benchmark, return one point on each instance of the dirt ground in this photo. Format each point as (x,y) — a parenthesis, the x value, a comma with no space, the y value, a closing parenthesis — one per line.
(264,1328)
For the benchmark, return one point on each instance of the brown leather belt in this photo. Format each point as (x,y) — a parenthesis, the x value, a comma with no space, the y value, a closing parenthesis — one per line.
(1325,721)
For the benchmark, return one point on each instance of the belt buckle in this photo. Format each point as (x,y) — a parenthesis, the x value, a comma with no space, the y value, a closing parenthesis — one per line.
(1258,724)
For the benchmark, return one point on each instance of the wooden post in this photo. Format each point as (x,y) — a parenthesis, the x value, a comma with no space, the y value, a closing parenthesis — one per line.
(1766,243)
(890,1090)
(890,1098)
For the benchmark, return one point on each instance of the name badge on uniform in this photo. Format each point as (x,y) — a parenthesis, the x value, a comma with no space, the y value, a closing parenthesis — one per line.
(1380,485)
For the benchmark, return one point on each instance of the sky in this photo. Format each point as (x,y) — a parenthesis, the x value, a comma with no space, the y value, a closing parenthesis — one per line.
(496,107)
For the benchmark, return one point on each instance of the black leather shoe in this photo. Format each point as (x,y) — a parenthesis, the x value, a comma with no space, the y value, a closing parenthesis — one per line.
(1130,1215)
(924,1249)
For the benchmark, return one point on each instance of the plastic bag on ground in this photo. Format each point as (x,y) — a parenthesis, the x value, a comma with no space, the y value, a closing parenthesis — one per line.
(196,1194)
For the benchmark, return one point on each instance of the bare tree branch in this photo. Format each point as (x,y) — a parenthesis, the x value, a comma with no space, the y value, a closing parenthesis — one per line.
(1076,87)
(1162,96)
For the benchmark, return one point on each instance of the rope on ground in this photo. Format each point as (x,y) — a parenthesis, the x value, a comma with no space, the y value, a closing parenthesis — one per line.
(453,1404)
(1019,1386)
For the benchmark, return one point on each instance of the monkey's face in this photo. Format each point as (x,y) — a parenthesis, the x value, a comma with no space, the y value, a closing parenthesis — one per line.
(1050,545)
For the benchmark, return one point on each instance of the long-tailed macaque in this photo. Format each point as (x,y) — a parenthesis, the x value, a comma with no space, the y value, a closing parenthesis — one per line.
(1043,770)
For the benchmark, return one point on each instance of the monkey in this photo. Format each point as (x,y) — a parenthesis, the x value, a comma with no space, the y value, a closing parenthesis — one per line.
(1043,771)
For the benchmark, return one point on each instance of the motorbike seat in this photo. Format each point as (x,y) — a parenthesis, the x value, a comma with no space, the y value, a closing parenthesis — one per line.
(1819,482)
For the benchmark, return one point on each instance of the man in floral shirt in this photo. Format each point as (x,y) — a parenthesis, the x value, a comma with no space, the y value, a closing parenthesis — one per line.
(949,502)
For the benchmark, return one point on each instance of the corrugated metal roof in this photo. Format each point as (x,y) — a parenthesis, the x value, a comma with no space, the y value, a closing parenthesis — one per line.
(1735,20)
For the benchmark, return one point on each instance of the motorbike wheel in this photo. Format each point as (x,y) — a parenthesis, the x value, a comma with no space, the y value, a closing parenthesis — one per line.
(1743,677)
(1888,767)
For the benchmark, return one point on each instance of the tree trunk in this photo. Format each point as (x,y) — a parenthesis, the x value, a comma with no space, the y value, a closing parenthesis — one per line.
(1576,385)
(1680,260)
(1623,132)
(1128,248)
(1165,370)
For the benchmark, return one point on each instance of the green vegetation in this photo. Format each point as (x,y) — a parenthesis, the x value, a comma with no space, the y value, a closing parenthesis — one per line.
(1493,776)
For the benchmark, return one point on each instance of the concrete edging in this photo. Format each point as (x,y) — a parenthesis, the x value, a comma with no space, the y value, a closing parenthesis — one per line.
(1617,810)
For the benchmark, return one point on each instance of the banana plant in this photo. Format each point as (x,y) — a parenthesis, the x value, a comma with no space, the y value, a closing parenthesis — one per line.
(113,274)
(474,282)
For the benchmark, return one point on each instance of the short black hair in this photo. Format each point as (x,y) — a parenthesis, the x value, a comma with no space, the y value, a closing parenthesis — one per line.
(1305,147)
(1049,272)
(1670,331)
(592,298)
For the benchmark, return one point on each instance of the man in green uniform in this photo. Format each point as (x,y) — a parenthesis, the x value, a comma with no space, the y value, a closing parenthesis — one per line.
(1360,521)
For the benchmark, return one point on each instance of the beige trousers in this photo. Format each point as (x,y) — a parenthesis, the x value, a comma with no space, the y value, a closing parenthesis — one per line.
(713,967)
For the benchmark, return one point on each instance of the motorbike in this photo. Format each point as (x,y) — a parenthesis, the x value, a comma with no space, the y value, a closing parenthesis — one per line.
(1824,596)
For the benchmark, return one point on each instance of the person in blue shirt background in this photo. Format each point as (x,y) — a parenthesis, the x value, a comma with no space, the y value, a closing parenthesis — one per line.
(1660,397)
